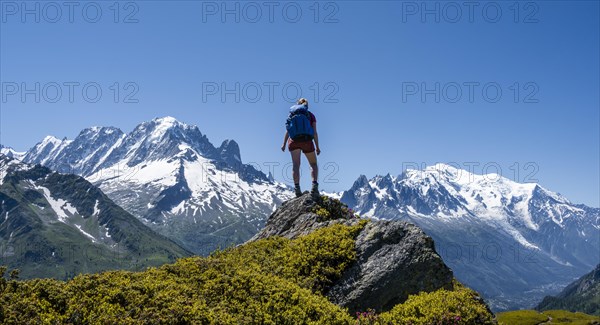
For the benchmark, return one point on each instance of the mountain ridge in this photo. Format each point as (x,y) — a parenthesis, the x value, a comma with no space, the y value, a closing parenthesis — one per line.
(171,177)
(58,225)
(489,227)
(582,295)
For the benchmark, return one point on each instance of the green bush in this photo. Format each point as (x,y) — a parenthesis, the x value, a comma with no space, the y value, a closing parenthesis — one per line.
(330,209)
(457,306)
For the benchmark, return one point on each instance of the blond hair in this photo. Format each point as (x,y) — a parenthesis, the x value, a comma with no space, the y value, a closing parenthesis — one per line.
(302,101)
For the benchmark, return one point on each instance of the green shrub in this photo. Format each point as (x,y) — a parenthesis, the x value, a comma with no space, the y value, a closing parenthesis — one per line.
(330,209)
(458,306)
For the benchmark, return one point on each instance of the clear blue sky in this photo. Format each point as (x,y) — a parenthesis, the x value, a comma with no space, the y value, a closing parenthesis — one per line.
(370,60)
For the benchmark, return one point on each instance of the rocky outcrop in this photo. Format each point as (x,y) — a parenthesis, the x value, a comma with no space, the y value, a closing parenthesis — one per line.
(394,258)
(295,218)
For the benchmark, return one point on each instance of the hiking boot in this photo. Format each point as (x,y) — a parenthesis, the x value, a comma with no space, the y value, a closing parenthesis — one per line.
(315,190)
(298,191)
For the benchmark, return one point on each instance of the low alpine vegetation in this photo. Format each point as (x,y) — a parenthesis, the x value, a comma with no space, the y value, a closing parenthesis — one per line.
(269,281)
(330,209)
(460,305)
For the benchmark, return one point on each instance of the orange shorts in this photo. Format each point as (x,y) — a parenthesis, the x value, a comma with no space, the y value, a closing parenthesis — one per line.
(305,146)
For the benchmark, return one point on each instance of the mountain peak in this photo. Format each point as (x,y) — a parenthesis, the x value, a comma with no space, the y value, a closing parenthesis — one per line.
(51,139)
(384,181)
(360,182)
(11,153)
(165,119)
(7,161)
(100,130)
(159,127)
(446,169)
(162,124)
(167,122)
(230,153)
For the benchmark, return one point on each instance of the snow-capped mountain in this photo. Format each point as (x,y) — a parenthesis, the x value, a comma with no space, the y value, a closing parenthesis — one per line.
(11,153)
(59,225)
(169,175)
(512,242)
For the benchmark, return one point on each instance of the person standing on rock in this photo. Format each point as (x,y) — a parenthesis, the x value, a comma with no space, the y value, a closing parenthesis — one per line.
(301,136)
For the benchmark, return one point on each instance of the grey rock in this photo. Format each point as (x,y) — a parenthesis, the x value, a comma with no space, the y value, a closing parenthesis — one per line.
(394,258)
(295,218)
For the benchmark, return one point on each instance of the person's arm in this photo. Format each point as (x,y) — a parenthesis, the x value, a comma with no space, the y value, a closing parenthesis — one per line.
(285,139)
(316,137)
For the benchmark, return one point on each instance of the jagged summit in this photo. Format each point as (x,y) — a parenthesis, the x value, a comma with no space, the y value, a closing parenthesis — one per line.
(394,258)
(10,152)
(98,147)
(229,151)
(166,120)
(100,130)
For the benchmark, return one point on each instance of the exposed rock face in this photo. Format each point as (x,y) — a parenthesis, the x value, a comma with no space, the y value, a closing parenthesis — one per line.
(230,153)
(295,218)
(394,258)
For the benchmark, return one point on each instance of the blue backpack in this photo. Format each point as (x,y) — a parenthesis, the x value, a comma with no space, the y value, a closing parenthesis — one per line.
(298,124)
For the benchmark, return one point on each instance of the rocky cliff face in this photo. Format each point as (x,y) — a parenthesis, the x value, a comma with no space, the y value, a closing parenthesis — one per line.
(394,258)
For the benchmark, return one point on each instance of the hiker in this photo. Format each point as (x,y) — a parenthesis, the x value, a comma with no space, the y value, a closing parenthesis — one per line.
(301,130)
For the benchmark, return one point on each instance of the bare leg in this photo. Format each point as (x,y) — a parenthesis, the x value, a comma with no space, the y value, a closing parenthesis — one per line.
(296,165)
(314,168)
